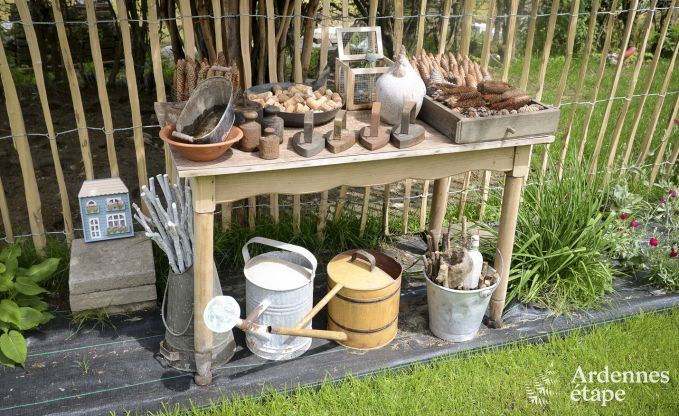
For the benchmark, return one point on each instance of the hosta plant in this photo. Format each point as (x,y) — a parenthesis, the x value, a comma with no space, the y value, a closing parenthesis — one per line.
(21,308)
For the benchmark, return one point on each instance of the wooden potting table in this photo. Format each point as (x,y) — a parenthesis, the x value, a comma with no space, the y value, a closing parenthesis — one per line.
(238,175)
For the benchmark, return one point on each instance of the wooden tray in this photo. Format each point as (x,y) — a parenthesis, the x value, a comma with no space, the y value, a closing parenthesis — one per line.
(484,129)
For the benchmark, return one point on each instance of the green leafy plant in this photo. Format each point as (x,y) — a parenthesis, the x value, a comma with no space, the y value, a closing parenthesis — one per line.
(21,308)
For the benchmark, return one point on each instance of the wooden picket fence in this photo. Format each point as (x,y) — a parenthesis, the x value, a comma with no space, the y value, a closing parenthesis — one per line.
(411,189)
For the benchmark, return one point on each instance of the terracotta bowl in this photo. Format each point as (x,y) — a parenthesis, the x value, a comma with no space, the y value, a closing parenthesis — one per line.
(201,152)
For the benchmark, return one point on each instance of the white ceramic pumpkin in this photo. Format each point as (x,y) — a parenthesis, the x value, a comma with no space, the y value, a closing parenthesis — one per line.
(399,83)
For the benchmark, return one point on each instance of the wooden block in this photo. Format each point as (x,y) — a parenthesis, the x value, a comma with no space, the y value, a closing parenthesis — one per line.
(338,140)
(407,135)
(307,143)
(375,136)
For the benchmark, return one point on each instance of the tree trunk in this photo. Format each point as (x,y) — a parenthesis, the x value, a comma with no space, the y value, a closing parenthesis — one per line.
(231,39)
(260,44)
(309,26)
(167,13)
(206,29)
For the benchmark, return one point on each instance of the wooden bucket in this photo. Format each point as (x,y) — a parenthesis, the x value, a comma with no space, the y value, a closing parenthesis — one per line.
(366,307)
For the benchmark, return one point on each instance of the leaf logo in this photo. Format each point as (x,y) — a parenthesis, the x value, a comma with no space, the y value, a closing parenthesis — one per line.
(538,389)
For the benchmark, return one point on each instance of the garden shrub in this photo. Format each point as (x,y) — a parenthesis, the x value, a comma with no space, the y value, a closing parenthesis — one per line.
(21,308)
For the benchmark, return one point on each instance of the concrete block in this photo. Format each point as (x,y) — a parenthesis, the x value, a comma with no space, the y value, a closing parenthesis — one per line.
(111,264)
(117,299)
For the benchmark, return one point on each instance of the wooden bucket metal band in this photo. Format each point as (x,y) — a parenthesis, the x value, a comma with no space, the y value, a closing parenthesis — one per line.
(364,301)
(363,331)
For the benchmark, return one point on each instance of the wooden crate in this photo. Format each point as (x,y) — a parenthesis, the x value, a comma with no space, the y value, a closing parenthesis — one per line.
(484,129)
(356,75)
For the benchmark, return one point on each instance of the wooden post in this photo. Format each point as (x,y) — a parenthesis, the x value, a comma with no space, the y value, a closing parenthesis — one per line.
(467,20)
(463,194)
(364,211)
(322,214)
(78,109)
(132,92)
(274,210)
(423,205)
(439,204)
(484,194)
(581,82)
(408,184)
(398,27)
(252,212)
(528,54)
(217,14)
(570,43)
(203,190)
(340,202)
(622,113)
(31,38)
(245,42)
(18,130)
(551,25)
(487,40)
(444,26)
(505,245)
(271,42)
(385,208)
(647,87)
(598,78)
(372,13)
(296,213)
(663,143)
(297,38)
(511,29)
(187,26)
(672,161)
(421,22)
(609,104)
(650,129)
(345,13)
(226,215)
(4,211)
(98,62)
(325,35)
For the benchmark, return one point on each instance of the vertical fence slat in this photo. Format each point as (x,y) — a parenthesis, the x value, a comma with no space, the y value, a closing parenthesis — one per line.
(271,41)
(663,143)
(467,20)
(187,26)
(581,82)
(322,214)
(622,113)
(101,86)
(398,26)
(487,39)
(463,194)
(245,42)
(484,194)
(647,87)
(372,13)
(546,50)
(423,205)
(217,14)
(443,36)
(18,129)
(528,54)
(325,35)
(252,212)
(648,138)
(296,213)
(297,38)
(385,208)
(78,109)
(364,211)
(4,212)
(36,60)
(421,22)
(131,77)
(511,29)
(407,188)
(609,104)
(672,161)
(341,201)
(226,215)
(598,78)
(345,13)
(158,77)
(570,43)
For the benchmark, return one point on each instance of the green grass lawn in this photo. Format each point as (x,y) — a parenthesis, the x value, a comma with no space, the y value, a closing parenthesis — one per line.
(494,382)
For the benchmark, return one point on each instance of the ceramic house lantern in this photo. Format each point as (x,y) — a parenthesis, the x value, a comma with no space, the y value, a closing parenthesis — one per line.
(105,210)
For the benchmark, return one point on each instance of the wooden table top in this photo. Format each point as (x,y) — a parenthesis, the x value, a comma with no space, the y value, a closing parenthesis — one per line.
(236,161)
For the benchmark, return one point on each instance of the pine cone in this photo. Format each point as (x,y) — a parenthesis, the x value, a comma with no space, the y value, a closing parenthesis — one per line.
(492,98)
(514,92)
(530,108)
(181,80)
(204,68)
(190,78)
(453,90)
(470,80)
(513,103)
(469,95)
(472,102)
(494,87)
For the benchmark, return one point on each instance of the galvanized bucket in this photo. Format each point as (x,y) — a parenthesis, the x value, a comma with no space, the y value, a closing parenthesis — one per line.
(286,279)
(456,315)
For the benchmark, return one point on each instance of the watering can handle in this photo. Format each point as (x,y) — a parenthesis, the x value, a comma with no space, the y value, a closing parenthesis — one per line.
(282,246)
(367,256)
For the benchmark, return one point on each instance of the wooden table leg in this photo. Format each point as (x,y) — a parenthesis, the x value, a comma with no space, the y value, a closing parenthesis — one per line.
(203,190)
(439,204)
(505,245)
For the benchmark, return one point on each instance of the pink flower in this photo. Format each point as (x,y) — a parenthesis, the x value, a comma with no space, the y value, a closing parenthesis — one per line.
(653,242)
(673,252)
(623,216)
(676,121)
(662,201)
(672,193)
(634,224)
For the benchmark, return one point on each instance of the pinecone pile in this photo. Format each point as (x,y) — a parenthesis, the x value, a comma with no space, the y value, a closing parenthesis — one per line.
(467,88)
(189,73)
